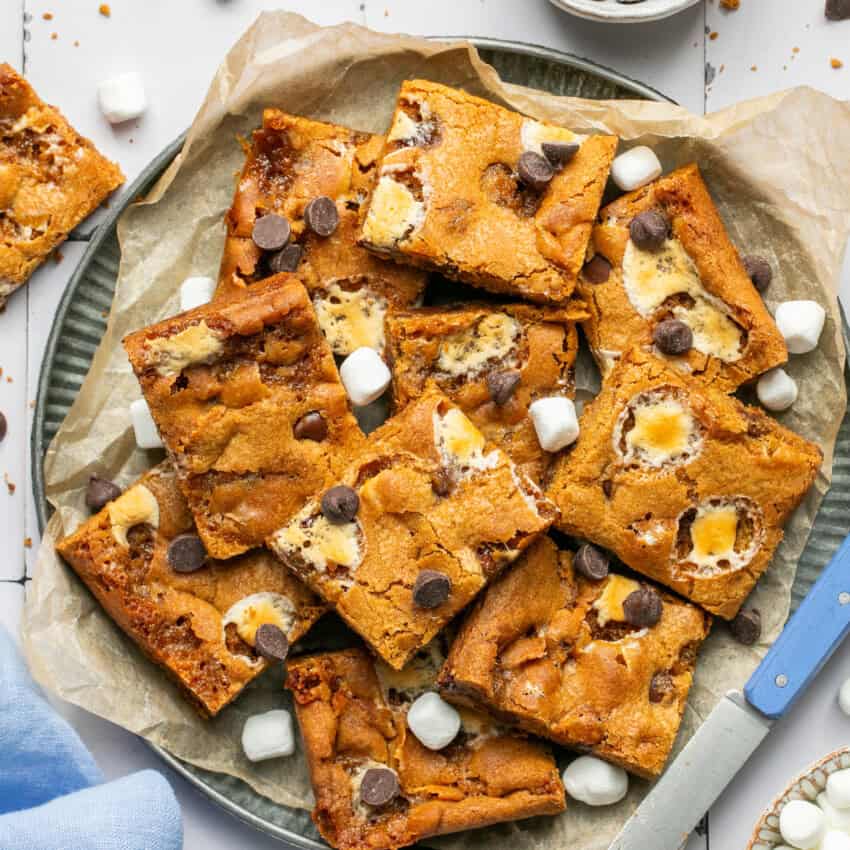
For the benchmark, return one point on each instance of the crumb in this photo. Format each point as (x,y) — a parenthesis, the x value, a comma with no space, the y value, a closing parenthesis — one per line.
(48,16)
(54,36)
(76,44)
(722,69)
(130,140)
(795,49)
(732,5)
(386,13)
(836,63)
(9,485)
(714,35)
(28,542)
(58,256)
(105,10)
(9,379)
(32,405)
(754,67)
(104,314)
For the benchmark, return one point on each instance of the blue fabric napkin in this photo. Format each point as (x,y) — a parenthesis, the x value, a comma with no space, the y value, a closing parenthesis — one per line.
(52,794)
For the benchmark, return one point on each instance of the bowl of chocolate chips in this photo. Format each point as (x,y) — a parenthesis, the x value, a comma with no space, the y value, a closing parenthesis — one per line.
(623,11)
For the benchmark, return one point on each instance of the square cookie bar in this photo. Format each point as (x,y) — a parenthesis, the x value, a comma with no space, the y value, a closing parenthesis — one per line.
(682,482)
(378,787)
(290,162)
(194,617)
(686,271)
(51,178)
(425,515)
(493,362)
(485,195)
(557,654)
(249,404)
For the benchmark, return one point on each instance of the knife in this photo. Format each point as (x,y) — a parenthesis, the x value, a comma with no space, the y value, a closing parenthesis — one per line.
(740,721)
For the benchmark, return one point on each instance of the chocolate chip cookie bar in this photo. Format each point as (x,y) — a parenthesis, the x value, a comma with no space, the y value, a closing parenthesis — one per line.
(663,276)
(602,664)
(493,362)
(297,208)
(250,407)
(425,515)
(682,482)
(51,178)
(486,195)
(201,620)
(378,787)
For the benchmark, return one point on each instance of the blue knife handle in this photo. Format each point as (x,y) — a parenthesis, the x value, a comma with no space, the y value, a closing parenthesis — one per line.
(806,642)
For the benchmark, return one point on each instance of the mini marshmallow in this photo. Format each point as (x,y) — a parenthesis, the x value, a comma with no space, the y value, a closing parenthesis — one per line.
(147,435)
(433,721)
(802,824)
(635,168)
(122,97)
(844,697)
(555,422)
(838,789)
(777,390)
(364,375)
(595,782)
(196,291)
(268,735)
(835,818)
(801,323)
(835,840)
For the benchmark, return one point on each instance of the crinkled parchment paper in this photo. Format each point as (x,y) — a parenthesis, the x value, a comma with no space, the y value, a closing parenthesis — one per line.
(778,169)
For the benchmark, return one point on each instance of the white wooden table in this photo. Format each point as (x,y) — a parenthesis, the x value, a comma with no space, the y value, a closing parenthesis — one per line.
(765,46)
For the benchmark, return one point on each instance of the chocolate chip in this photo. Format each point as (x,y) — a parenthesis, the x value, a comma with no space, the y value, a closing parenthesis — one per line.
(592,563)
(271,642)
(672,337)
(559,153)
(100,492)
(379,786)
(286,260)
(4,427)
(186,553)
(642,608)
(649,230)
(759,270)
(746,626)
(534,170)
(442,482)
(837,10)
(660,686)
(431,589)
(311,426)
(502,386)
(271,232)
(340,504)
(597,269)
(321,216)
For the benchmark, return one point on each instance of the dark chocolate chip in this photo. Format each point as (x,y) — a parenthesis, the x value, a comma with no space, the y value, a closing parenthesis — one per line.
(321,216)
(379,786)
(597,269)
(431,589)
(642,608)
(535,171)
(186,553)
(759,270)
(559,153)
(746,626)
(672,337)
(649,230)
(592,563)
(100,492)
(311,426)
(340,504)
(660,686)
(502,386)
(286,260)
(271,642)
(4,427)
(837,10)
(442,482)
(271,232)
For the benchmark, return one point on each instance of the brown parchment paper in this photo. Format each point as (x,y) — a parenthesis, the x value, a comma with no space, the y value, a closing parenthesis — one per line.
(779,171)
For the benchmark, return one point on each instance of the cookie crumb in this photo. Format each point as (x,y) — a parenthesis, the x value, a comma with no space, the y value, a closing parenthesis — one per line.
(76,44)
(58,256)
(9,485)
(54,36)
(731,5)
(28,542)
(48,16)
(105,10)
(714,35)
(836,63)
(754,67)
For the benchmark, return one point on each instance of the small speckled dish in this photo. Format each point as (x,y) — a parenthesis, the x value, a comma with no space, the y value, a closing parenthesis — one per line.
(621,12)
(806,786)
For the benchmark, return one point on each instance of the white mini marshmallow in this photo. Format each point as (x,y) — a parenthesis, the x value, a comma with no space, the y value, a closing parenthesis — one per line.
(844,697)
(364,375)
(122,97)
(777,390)
(433,721)
(147,435)
(595,782)
(835,840)
(802,824)
(635,168)
(268,735)
(801,323)
(838,789)
(196,291)
(835,818)
(555,422)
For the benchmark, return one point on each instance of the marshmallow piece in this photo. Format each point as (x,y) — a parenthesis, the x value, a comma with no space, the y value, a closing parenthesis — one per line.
(635,168)
(844,697)
(196,291)
(838,788)
(595,782)
(364,375)
(147,435)
(268,735)
(555,422)
(122,97)
(835,840)
(802,824)
(777,390)
(801,323)
(433,721)
(835,818)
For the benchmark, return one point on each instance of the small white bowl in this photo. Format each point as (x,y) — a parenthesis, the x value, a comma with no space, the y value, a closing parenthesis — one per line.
(623,13)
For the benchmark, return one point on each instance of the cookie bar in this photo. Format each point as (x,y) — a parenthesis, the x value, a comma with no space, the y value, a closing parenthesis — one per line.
(249,404)
(492,361)
(553,652)
(291,161)
(486,195)
(200,626)
(425,515)
(51,178)
(687,272)
(353,723)
(682,482)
